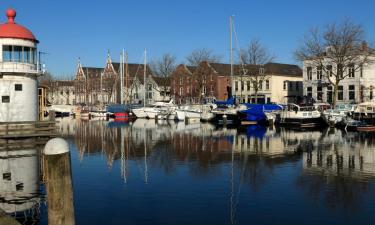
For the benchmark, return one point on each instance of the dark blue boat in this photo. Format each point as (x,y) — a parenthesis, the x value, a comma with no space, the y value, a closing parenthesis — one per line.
(255,113)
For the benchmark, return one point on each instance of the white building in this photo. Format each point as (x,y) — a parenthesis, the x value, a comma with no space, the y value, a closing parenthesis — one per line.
(18,72)
(278,81)
(358,85)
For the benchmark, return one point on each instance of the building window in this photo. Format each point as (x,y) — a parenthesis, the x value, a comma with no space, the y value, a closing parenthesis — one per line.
(181,91)
(361,71)
(181,80)
(260,85)
(309,73)
(285,85)
(235,86)
(5,99)
(319,73)
(309,92)
(7,53)
(261,70)
(7,176)
(150,87)
(297,86)
(242,85)
(319,93)
(290,85)
(351,71)
(340,93)
(204,90)
(19,186)
(248,85)
(18,87)
(351,92)
(267,84)
(329,70)
(329,94)
(212,88)
(340,71)
(17,53)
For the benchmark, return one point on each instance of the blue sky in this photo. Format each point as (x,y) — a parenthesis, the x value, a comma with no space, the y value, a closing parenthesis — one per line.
(70,29)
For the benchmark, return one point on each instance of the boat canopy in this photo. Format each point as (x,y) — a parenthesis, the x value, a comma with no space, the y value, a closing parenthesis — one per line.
(229,101)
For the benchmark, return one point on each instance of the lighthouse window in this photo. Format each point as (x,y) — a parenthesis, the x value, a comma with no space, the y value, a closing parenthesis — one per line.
(5,99)
(18,87)
(7,176)
(7,53)
(26,54)
(17,53)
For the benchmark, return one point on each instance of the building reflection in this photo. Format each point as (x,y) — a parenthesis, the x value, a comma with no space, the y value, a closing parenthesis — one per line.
(19,185)
(339,168)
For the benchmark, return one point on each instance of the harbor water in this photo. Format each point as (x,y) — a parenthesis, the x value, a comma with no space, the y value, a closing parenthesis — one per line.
(148,172)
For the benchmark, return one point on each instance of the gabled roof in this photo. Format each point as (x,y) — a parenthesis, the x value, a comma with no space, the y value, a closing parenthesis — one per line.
(92,72)
(191,69)
(270,68)
(161,81)
(135,70)
(283,69)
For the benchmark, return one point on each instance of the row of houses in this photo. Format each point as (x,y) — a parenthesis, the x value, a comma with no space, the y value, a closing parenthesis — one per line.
(187,84)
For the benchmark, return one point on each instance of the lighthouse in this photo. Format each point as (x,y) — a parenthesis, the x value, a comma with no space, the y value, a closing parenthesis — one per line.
(18,72)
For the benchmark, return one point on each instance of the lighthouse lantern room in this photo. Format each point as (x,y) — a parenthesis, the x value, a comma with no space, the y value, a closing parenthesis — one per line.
(18,72)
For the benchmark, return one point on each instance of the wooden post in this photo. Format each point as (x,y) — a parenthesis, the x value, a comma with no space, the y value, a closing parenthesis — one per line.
(58,181)
(51,115)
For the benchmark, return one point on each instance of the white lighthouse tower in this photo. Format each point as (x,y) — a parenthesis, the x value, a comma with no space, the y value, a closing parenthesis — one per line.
(18,72)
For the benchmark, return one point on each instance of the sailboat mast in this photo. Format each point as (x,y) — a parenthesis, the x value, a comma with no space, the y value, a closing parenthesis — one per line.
(121,78)
(144,79)
(231,54)
(126,78)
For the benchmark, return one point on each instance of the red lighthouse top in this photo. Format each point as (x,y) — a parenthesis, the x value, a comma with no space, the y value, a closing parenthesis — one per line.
(13,30)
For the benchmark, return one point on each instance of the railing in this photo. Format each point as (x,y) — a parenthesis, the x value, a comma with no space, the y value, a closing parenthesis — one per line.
(18,67)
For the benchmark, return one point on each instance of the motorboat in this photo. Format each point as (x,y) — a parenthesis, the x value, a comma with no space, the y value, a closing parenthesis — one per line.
(336,115)
(159,107)
(297,116)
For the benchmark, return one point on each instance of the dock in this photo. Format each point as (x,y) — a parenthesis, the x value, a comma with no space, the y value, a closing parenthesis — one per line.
(28,129)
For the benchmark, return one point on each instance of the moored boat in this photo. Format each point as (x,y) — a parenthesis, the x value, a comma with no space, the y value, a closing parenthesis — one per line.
(300,117)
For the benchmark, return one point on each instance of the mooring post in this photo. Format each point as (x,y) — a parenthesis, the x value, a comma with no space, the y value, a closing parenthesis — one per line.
(225,120)
(57,173)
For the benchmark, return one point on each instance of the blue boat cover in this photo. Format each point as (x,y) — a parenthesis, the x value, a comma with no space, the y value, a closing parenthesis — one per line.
(255,112)
(229,101)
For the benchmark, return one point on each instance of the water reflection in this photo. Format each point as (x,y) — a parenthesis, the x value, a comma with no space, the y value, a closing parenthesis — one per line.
(329,167)
(19,184)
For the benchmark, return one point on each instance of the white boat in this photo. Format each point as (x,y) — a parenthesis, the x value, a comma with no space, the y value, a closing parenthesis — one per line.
(300,116)
(336,115)
(159,107)
(196,112)
(140,112)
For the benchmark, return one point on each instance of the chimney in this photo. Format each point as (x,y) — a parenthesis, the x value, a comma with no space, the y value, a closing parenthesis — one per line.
(364,46)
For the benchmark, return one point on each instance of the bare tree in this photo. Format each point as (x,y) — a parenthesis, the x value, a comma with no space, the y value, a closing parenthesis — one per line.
(337,52)
(203,54)
(253,60)
(164,67)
